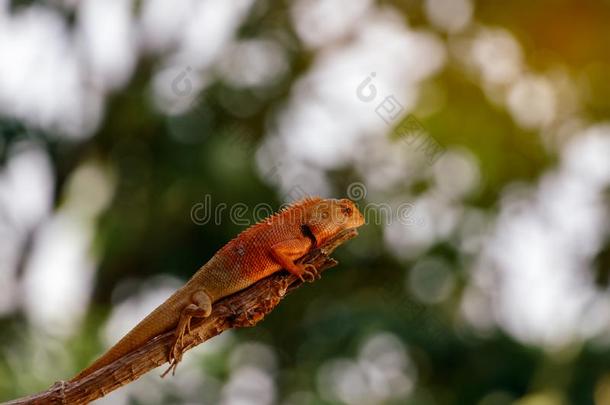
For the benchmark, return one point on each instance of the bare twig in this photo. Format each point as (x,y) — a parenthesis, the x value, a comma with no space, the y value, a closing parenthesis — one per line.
(243,309)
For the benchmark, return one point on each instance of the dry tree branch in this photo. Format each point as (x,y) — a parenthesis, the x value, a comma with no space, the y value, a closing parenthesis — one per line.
(243,309)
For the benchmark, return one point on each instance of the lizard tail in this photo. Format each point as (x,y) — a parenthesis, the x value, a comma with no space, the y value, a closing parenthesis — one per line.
(162,319)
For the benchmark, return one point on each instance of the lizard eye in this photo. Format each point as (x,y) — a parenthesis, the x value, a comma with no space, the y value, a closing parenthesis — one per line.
(346,210)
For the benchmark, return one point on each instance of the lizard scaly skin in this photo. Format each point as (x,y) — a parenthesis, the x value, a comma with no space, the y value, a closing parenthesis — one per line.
(259,251)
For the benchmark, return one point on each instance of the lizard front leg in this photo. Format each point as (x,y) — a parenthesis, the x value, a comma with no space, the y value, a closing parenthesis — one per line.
(200,307)
(284,253)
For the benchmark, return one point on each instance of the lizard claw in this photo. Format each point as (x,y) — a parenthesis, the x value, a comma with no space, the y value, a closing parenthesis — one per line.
(311,273)
(174,357)
(175,353)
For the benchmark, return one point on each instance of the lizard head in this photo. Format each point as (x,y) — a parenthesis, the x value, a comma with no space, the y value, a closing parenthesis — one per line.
(330,216)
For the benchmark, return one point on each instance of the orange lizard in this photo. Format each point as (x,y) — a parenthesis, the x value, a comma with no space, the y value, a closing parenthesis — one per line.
(259,251)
